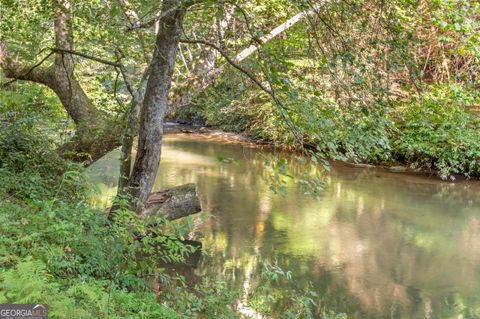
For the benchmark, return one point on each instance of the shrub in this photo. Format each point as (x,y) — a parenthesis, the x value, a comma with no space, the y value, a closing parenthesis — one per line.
(437,131)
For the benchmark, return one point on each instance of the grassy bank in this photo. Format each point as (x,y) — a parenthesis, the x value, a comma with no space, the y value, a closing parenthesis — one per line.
(55,249)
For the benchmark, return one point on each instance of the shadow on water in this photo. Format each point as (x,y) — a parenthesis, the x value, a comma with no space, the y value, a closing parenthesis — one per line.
(375,245)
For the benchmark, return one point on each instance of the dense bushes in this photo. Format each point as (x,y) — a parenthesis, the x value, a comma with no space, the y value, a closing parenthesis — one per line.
(378,82)
(438,131)
(435,130)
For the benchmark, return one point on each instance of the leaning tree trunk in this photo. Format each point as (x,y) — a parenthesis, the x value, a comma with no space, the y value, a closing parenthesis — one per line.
(177,202)
(140,182)
(90,138)
(64,83)
(60,76)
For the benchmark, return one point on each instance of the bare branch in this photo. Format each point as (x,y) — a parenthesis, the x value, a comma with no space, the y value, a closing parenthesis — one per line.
(120,55)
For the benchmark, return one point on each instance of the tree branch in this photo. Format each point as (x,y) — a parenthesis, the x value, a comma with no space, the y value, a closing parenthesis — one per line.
(147,24)
(274,32)
(130,87)
(87,56)
(270,92)
(231,62)
(16,71)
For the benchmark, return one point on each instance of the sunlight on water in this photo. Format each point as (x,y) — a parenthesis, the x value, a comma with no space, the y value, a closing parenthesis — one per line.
(375,245)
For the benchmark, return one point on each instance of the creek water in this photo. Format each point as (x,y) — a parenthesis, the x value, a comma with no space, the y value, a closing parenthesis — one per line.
(374,245)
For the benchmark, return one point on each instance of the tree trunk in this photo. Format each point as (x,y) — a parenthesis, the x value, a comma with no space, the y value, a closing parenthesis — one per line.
(136,103)
(145,169)
(131,129)
(91,139)
(64,83)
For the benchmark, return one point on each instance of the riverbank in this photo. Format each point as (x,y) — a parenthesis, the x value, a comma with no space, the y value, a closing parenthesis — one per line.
(61,246)
(435,132)
(216,134)
(58,248)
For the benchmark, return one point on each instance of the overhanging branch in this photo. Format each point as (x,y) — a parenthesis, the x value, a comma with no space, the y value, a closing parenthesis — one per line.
(150,23)
(87,56)
(284,109)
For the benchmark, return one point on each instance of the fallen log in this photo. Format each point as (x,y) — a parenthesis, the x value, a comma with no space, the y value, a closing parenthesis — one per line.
(173,203)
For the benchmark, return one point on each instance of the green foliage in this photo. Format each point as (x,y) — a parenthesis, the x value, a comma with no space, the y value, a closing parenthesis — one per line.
(455,306)
(456,20)
(29,105)
(30,282)
(275,297)
(211,298)
(438,131)
(337,75)
(55,249)
(350,87)
(29,166)
(26,101)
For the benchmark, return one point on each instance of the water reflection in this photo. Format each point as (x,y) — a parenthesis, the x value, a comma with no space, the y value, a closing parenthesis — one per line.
(376,245)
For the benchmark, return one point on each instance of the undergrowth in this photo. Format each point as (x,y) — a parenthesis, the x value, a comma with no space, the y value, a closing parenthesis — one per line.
(435,130)
(54,249)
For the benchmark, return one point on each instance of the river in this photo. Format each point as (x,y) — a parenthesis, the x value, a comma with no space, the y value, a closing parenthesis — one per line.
(375,244)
